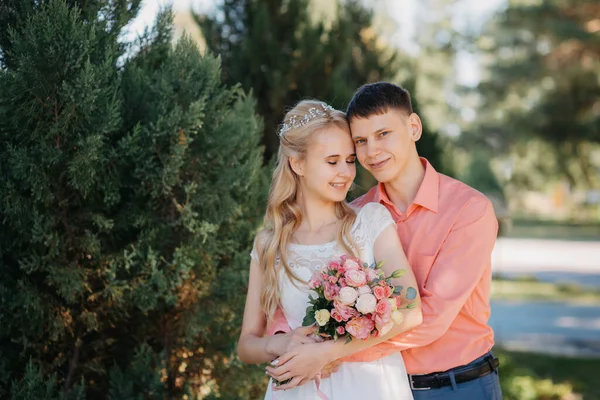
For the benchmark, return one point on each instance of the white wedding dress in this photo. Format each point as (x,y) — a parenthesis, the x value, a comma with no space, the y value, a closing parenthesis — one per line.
(384,379)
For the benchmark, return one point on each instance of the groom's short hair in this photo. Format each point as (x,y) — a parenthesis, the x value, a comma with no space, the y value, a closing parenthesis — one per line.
(377,98)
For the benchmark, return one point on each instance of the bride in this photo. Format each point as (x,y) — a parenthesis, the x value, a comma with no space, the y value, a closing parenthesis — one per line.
(307,223)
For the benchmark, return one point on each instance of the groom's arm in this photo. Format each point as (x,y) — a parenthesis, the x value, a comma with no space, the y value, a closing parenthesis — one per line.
(461,262)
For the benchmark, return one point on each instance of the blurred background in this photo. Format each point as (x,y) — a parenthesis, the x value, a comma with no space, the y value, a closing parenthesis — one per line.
(509,95)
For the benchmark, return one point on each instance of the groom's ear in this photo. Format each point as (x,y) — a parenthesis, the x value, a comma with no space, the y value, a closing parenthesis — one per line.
(297,166)
(416,127)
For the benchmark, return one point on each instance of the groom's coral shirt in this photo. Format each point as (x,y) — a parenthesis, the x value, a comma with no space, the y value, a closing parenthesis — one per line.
(448,234)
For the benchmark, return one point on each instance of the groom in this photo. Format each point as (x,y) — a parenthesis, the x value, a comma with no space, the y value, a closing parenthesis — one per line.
(448,231)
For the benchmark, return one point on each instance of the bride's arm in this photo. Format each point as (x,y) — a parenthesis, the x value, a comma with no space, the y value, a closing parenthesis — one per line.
(253,347)
(305,362)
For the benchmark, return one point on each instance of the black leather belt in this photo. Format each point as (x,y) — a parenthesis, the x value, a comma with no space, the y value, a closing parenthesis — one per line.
(461,374)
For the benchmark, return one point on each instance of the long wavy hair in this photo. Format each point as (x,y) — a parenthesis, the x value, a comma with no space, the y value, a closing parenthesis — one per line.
(284,215)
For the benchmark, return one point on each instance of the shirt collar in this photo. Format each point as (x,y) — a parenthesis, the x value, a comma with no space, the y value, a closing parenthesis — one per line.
(428,193)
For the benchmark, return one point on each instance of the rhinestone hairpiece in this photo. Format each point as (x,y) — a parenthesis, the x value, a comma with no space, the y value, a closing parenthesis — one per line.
(296,122)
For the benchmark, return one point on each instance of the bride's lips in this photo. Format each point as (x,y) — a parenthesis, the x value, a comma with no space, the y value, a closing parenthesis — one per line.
(378,165)
(338,185)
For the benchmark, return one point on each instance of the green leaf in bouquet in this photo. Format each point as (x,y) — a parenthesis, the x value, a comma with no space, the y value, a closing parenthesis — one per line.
(335,337)
(411,305)
(411,293)
(399,273)
(348,339)
(310,310)
(398,289)
(309,320)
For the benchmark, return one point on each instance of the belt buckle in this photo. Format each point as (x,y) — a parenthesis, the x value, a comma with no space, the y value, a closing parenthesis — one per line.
(412,385)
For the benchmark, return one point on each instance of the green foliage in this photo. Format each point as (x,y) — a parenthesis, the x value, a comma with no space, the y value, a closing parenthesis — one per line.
(283,54)
(130,190)
(542,81)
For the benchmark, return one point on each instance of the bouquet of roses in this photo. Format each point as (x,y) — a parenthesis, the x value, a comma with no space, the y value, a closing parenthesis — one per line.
(355,298)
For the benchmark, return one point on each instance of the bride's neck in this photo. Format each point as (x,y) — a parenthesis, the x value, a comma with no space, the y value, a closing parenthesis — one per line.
(316,214)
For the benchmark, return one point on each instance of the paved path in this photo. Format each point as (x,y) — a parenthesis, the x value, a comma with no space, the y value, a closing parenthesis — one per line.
(547,327)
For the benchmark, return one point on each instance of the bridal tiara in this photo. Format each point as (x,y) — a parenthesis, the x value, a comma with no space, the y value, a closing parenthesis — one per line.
(295,122)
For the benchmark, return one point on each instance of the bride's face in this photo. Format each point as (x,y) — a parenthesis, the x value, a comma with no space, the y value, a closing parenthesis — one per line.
(329,168)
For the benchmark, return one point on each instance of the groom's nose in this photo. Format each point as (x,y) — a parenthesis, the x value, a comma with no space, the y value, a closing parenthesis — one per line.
(372,148)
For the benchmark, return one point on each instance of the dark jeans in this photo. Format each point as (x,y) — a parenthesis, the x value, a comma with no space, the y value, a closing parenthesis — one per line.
(484,388)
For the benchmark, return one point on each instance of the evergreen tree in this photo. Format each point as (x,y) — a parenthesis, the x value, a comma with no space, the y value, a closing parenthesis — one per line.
(130,189)
(282,52)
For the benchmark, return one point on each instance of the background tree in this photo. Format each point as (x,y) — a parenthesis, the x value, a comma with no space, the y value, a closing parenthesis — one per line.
(283,52)
(130,189)
(542,83)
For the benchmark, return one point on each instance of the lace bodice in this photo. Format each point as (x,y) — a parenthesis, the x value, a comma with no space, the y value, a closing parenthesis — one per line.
(304,260)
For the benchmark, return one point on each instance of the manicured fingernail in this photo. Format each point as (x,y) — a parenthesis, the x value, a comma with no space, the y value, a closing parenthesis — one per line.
(275,362)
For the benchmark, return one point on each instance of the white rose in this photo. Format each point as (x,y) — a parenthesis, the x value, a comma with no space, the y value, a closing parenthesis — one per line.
(322,316)
(348,295)
(392,302)
(366,303)
(397,317)
(364,290)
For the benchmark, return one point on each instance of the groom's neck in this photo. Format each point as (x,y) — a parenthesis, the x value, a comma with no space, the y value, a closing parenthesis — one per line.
(403,189)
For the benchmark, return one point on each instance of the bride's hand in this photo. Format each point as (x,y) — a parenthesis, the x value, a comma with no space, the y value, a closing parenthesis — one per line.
(301,364)
(286,342)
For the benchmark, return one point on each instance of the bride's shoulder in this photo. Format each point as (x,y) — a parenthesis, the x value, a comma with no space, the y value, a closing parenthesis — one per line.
(370,210)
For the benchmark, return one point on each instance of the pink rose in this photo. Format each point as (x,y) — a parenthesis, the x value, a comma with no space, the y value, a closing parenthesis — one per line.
(351,265)
(383,319)
(316,280)
(355,278)
(383,307)
(346,312)
(334,265)
(340,330)
(342,282)
(379,292)
(382,292)
(360,327)
(336,315)
(398,302)
(330,290)
(333,279)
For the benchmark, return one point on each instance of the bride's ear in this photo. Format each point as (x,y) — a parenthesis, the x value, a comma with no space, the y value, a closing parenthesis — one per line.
(297,166)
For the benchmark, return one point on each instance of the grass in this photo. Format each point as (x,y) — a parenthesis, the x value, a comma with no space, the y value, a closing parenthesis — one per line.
(528,376)
(529,288)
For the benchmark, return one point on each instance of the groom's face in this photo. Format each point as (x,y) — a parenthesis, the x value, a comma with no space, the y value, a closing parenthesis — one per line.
(385,143)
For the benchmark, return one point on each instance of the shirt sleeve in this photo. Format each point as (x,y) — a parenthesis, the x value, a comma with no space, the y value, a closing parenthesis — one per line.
(461,262)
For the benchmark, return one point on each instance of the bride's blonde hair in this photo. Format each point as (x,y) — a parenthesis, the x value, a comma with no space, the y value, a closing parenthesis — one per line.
(283,215)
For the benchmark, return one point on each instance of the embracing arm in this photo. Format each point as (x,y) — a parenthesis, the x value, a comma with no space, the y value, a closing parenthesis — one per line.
(456,271)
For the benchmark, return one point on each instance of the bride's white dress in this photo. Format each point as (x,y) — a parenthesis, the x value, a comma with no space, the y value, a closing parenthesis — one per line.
(382,379)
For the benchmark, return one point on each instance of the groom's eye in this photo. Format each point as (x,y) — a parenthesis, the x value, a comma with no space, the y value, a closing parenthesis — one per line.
(360,141)
(384,133)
